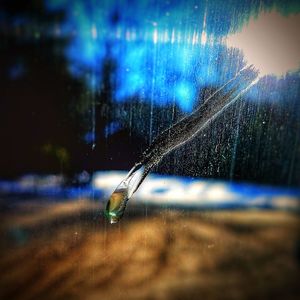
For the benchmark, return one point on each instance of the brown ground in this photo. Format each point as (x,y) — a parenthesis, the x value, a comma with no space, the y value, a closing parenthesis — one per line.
(67,251)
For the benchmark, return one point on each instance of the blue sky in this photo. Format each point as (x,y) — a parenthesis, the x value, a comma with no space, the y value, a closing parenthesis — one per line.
(165,51)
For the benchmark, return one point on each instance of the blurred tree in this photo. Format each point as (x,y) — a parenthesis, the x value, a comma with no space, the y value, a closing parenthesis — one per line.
(36,93)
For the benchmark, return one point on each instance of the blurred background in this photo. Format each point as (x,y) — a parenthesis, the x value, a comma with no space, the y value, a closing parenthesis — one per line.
(85,88)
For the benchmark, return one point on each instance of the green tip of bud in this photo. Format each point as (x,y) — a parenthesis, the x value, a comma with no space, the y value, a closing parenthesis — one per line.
(112,217)
(115,206)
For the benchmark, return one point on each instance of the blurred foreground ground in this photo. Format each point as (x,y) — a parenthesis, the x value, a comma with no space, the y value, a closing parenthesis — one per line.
(68,251)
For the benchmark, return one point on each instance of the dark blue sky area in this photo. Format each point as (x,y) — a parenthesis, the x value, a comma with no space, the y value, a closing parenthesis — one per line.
(165,51)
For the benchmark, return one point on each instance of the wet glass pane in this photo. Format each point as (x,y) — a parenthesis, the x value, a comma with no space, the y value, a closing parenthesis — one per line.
(149,149)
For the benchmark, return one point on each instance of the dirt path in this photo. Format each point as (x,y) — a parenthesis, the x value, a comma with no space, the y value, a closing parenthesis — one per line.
(66,251)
